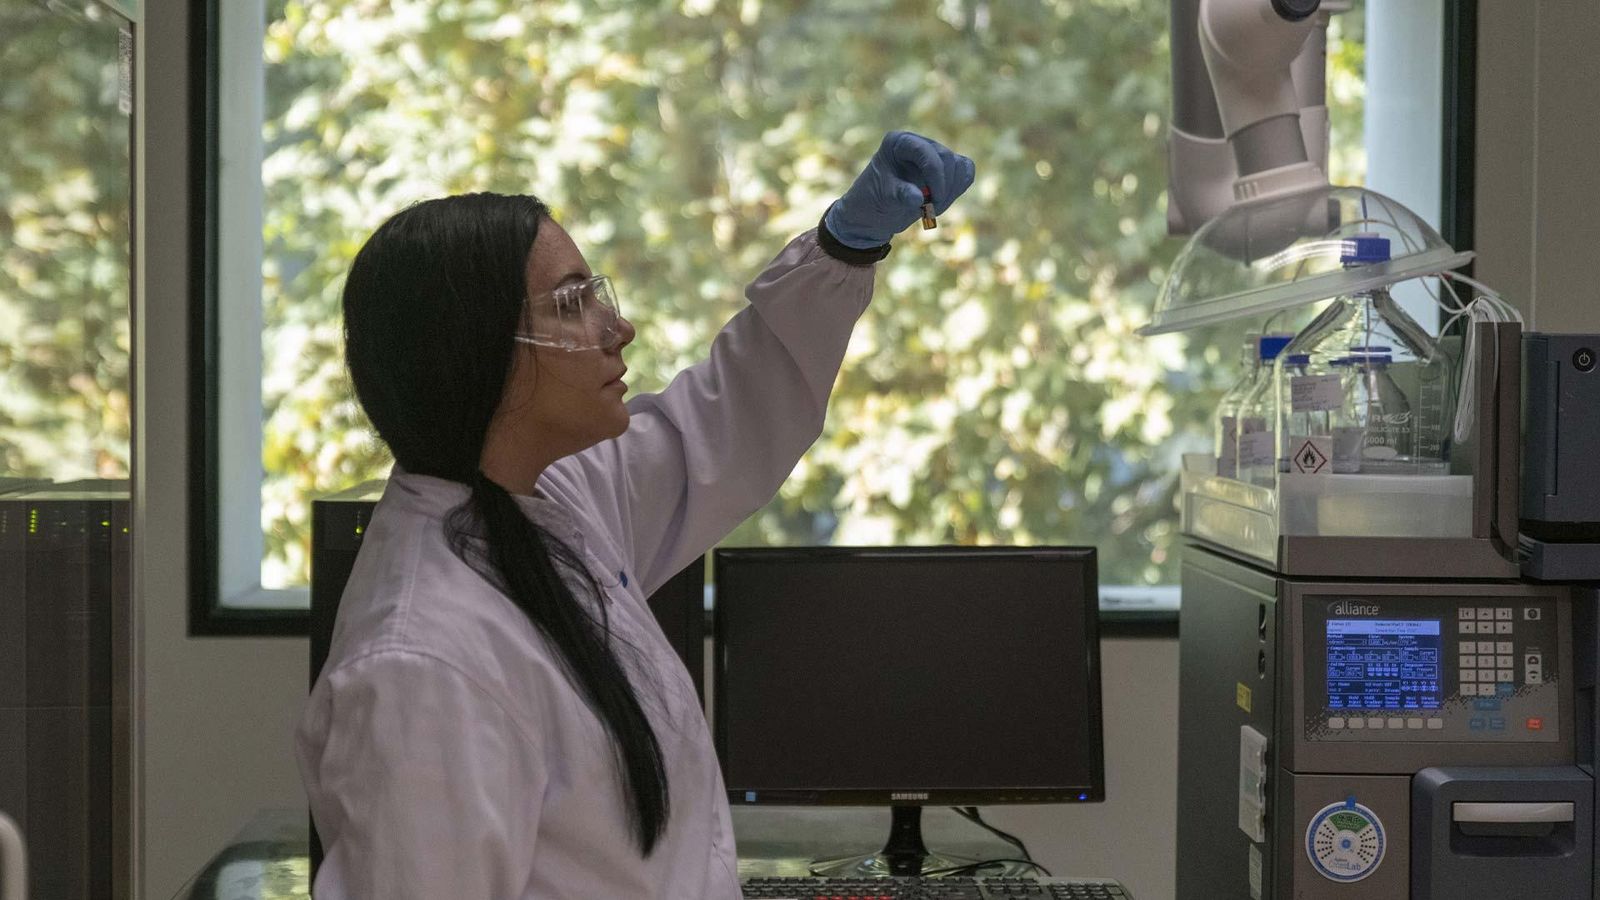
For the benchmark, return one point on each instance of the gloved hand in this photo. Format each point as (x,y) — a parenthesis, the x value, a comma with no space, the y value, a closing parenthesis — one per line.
(887,196)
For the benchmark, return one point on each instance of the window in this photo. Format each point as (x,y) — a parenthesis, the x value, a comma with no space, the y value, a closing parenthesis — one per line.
(996,391)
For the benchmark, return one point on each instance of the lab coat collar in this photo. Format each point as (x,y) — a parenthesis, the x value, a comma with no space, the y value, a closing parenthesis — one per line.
(436,497)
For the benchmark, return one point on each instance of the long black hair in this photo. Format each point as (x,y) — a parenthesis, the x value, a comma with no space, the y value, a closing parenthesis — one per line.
(430,309)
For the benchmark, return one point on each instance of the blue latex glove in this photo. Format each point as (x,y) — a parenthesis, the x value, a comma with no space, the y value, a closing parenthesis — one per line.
(887,196)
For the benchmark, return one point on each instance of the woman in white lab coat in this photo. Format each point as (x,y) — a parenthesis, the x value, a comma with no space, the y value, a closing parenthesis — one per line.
(499,716)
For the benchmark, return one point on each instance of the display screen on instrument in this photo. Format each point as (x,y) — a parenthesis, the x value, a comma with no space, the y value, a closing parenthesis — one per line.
(1383,663)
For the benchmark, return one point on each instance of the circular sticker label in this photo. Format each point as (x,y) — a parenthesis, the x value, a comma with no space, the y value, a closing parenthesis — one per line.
(1345,841)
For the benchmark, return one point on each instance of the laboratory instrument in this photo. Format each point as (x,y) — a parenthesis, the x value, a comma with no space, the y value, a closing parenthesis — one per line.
(1387,677)
(65,580)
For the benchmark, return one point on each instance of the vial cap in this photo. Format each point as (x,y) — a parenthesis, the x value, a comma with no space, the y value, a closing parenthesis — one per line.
(1373,356)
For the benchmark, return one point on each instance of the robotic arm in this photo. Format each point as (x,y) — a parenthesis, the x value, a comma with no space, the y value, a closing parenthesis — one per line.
(1249,121)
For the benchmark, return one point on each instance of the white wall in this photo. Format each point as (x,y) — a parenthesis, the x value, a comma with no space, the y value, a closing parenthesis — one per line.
(216,713)
(1131,837)
(1538,134)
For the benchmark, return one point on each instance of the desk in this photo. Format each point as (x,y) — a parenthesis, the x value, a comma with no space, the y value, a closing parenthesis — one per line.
(783,840)
(268,859)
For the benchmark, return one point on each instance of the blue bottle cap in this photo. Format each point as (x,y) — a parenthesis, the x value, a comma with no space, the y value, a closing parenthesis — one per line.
(1368,358)
(1270,345)
(1364,250)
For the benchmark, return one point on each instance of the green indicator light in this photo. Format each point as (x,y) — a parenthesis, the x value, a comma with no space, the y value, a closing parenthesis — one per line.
(359,529)
(105,524)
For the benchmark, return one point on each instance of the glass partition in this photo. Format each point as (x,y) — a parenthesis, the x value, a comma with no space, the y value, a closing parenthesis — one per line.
(66,284)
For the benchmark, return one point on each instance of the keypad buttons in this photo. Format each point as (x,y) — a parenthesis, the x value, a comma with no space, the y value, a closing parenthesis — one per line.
(1486,612)
(1435,724)
(1502,614)
(1503,662)
(1358,724)
(1530,613)
(1503,647)
(1414,724)
(1501,627)
(1469,675)
(1469,627)
(1469,662)
(1503,676)
(1336,721)
(1374,722)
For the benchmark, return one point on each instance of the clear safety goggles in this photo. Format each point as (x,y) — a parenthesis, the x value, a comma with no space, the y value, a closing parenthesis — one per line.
(578,316)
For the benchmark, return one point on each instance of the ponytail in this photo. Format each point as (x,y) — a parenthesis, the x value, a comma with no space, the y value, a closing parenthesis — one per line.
(493,535)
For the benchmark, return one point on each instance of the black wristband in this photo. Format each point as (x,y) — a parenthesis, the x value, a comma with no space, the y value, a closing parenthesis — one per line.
(831,246)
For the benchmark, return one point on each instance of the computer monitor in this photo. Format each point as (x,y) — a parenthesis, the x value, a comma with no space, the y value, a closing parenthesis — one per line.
(907,677)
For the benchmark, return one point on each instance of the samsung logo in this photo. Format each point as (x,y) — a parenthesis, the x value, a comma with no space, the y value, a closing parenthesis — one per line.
(1352,608)
(909,795)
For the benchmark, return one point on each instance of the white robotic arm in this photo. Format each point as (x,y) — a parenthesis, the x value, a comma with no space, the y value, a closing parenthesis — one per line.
(1249,48)
(1249,120)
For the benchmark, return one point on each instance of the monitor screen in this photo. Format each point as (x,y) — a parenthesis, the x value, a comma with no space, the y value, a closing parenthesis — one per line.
(1384,663)
(908,675)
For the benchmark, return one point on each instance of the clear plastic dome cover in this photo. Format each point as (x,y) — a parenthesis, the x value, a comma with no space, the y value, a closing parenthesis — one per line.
(1283,252)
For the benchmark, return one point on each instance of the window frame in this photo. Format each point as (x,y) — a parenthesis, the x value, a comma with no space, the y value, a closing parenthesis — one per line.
(210,615)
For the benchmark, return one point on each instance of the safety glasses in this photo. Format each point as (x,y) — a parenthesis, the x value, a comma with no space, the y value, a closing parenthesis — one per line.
(582,315)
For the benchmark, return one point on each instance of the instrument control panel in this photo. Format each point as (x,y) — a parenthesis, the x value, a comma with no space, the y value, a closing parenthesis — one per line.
(1432,669)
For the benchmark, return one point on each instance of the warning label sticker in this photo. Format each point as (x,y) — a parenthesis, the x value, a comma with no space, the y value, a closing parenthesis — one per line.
(1312,455)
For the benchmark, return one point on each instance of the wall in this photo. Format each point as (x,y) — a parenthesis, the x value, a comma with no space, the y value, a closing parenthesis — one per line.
(216,714)
(1537,133)
(1132,836)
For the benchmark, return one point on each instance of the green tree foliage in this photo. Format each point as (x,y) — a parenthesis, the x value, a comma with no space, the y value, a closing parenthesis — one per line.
(65,198)
(996,391)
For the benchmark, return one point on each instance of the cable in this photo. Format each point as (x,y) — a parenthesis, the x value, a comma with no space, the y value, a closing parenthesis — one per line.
(970,813)
(975,868)
(1490,307)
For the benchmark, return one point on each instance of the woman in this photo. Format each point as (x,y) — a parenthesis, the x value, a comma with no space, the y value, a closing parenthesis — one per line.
(500,716)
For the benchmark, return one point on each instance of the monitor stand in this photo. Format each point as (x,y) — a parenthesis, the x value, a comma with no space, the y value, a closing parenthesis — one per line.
(904,854)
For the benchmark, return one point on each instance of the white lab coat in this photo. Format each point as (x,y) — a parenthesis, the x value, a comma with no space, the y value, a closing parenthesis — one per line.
(445,753)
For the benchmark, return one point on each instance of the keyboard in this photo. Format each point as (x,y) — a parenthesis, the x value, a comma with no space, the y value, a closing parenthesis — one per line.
(934,888)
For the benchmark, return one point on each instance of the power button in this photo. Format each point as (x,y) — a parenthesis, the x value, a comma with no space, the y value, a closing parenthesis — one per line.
(1584,359)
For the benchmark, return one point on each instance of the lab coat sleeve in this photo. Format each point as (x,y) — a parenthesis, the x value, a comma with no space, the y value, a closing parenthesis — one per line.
(717,443)
(429,788)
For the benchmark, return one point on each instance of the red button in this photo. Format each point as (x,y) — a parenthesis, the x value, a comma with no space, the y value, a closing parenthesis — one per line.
(1535,724)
